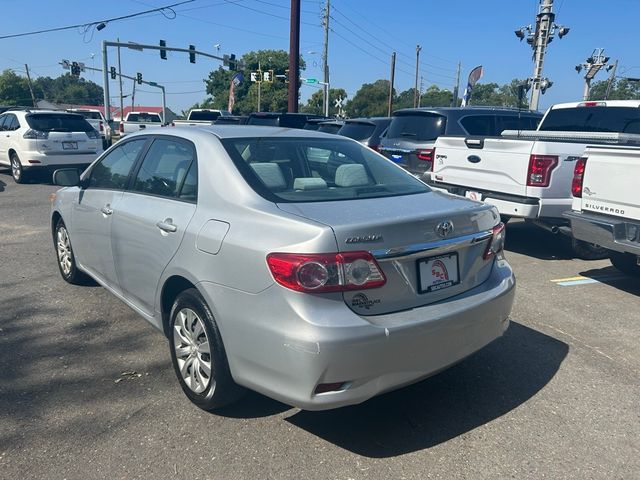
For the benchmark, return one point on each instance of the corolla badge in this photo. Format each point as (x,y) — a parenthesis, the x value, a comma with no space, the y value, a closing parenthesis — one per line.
(364,238)
(445,228)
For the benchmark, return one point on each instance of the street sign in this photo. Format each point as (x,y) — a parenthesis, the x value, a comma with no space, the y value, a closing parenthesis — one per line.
(267,76)
(257,76)
(310,81)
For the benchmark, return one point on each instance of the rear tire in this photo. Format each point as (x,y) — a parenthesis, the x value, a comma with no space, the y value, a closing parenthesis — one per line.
(66,259)
(17,172)
(626,263)
(588,251)
(198,355)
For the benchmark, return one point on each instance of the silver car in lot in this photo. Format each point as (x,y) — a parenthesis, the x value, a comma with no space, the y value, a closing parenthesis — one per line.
(298,264)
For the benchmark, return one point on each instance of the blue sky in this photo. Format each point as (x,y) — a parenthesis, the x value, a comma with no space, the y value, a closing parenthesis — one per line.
(364,33)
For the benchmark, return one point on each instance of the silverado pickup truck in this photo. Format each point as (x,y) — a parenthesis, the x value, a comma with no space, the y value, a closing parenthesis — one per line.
(605,208)
(200,116)
(97,121)
(527,174)
(136,121)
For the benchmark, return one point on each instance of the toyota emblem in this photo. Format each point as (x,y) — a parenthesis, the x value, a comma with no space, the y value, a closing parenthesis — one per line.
(445,228)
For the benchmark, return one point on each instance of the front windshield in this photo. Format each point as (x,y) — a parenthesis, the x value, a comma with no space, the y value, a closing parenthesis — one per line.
(303,169)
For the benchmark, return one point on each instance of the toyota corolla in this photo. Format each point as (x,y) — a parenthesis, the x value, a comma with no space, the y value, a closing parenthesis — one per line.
(297,264)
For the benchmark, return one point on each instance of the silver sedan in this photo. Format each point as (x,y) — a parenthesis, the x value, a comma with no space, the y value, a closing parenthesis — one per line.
(297,264)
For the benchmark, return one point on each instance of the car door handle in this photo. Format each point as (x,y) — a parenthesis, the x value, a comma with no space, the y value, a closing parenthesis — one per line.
(107,210)
(167,225)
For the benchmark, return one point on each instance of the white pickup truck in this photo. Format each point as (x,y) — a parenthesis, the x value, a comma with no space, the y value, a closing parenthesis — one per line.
(606,206)
(136,121)
(97,121)
(527,174)
(199,116)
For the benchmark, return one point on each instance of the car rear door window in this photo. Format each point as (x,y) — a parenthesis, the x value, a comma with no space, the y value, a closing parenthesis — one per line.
(419,127)
(113,170)
(479,124)
(164,169)
(515,122)
(357,130)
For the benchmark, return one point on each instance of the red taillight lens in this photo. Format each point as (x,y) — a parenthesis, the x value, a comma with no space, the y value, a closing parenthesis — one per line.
(326,272)
(427,155)
(540,167)
(121,127)
(578,177)
(101,127)
(496,244)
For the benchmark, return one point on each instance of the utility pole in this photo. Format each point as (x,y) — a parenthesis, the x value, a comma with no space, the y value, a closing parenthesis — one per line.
(539,37)
(133,98)
(592,66)
(415,90)
(612,77)
(33,97)
(393,75)
(259,87)
(325,59)
(294,56)
(456,87)
(120,77)
(420,92)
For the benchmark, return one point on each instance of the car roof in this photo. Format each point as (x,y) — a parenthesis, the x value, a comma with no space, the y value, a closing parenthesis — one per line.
(603,103)
(467,110)
(368,120)
(234,131)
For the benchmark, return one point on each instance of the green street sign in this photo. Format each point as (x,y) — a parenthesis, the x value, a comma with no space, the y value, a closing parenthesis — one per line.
(310,81)
(153,84)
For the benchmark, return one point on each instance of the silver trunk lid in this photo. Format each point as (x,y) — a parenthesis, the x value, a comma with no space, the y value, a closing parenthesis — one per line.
(402,233)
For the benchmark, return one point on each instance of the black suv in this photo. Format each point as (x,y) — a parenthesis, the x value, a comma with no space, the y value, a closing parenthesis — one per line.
(277,119)
(412,132)
(366,130)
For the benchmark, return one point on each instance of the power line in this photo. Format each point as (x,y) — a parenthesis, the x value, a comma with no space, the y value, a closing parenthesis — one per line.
(69,27)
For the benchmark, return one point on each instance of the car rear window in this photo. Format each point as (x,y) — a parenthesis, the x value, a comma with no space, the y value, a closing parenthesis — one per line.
(294,170)
(58,122)
(417,126)
(593,119)
(357,131)
(144,118)
(90,115)
(329,128)
(268,121)
(208,115)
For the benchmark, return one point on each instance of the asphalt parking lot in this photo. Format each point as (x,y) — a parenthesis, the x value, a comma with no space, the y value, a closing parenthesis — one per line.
(87,389)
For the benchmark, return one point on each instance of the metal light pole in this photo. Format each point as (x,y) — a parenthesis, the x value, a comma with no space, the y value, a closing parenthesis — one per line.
(592,66)
(325,59)
(415,93)
(294,56)
(393,75)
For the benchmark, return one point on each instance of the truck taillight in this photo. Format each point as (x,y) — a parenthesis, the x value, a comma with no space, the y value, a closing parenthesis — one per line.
(578,177)
(121,127)
(326,272)
(540,168)
(101,127)
(427,155)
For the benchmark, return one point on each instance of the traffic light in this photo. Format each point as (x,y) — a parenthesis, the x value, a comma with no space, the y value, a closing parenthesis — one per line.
(75,69)
(139,78)
(192,53)
(112,71)
(163,53)
(233,65)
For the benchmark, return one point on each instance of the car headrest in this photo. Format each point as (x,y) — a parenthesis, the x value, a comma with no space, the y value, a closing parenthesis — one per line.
(270,174)
(351,175)
(309,183)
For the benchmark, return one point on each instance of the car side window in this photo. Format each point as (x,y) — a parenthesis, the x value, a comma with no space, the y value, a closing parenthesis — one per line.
(164,168)
(113,170)
(189,189)
(2,121)
(479,124)
(15,123)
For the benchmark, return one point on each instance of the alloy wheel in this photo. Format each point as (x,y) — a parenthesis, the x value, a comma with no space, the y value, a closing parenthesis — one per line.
(16,168)
(192,349)
(63,247)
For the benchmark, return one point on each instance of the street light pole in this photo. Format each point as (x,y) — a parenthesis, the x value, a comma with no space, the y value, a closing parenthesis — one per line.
(393,75)
(294,56)
(415,93)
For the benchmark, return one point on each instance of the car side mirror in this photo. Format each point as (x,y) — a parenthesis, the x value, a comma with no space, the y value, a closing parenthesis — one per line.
(66,177)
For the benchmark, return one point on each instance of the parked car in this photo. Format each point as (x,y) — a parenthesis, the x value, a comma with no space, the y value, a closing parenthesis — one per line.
(527,174)
(232,120)
(366,130)
(136,121)
(319,287)
(606,209)
(198,116)
(411,135)
(43,140)
(97,121)
(323,125)
(280,119)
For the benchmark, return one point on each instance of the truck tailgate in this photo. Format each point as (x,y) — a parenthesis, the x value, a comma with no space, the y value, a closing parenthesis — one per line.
(486,164)
(610,184)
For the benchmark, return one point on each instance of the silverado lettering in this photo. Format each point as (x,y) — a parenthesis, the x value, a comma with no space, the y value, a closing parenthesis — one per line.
(602,208)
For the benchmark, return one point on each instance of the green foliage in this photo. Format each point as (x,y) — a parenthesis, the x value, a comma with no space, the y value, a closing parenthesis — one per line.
(432,97)
(273,95)
(621,89)
(370,101)
(492,94)
(14,89)
(314,104)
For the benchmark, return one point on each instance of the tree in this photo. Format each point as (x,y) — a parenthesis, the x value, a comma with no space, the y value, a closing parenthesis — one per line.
(621,89)
(68,88)
(314,104)
(370,101)
(273,95)
(14,89)
(496,95)
(436,97)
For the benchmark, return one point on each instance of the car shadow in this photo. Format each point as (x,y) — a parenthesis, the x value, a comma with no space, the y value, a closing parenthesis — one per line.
(482,388)
(533,241)
(612,276)
(2,185)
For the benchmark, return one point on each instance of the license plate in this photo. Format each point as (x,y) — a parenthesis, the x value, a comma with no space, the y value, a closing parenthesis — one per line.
(473,195)
(438,273)
(69,145)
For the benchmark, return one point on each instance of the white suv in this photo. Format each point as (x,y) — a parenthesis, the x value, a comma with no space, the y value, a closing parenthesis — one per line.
(32,140)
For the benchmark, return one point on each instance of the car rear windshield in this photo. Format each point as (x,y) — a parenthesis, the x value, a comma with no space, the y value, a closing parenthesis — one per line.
(417,126)
(357,131)
(58,122)
(269,121)
(209,115)
(329,128)
(144,118)
(294,170)
(593,119)
(90,115)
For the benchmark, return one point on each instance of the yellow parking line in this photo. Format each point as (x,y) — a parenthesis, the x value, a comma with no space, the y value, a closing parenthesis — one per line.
(569,279)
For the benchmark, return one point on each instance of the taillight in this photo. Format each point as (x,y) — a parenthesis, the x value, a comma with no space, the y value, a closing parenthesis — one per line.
(121,127)
(540,167)
(326,272)
(427,155)
(578,177)
(93,134)
(32,134)
(593,104)
(101,127)
(496,244)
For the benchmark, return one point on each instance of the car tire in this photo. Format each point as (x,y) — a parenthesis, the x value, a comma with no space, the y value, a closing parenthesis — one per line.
(66,259)
(588,251)
(198,354)
(626,263)
(17,172)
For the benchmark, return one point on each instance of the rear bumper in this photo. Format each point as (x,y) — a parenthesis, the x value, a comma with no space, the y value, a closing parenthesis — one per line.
(614,233)
(293,348)
(36,160)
